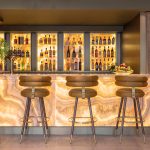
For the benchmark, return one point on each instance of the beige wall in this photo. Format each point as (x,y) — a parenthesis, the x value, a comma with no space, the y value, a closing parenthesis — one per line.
(131,44)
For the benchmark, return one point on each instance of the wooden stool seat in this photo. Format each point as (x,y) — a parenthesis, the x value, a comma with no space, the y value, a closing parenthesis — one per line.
(78,93)
(127,92)
(39,92)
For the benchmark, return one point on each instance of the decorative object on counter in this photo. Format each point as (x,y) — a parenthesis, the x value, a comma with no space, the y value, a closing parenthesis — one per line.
(129,91)
(80,90)
(122,69)
(35,83)
(4,52)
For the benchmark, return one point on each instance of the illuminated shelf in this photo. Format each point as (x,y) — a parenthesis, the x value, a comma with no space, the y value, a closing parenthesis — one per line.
(47,51)
(2,61)
(21,44)
(102,51)
(73,51)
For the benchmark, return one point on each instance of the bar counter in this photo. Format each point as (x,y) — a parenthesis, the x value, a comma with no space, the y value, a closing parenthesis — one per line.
(59,105)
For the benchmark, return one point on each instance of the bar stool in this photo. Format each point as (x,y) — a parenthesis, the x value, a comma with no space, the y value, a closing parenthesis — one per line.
(130,83)
(30,93)
(81,91)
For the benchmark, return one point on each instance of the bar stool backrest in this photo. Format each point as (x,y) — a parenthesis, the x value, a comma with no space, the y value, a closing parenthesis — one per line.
(131,81)
(82,81)
(34,81)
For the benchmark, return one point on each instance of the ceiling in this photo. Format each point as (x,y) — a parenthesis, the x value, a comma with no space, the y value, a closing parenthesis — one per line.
(67,17)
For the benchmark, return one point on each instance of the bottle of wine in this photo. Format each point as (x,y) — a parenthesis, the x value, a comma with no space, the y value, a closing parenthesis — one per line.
(108,52)
(112,52)
(76,65)
(96,40)
(18,67)
(46,52)
(108,64)
(49,39)
(68,66)
(113,40)
(68,53)
(96,52)
(80,41)
(100,51)
(46,65)
(80,52)
(96,66)
(73,41)
(104,52)
(72,64)
(50,65)
(54,64)
(19,40)
(100,41)
(22,53)
(54,52)
(73,53)
(92,64)
(15,40)
(104,65)
(26,40)
(92,51)
(104,40)
(50,52)
(41,53)
(41,66)
(100,65)
(80,65)
(109,40)
(45,40)
(93,41)
(27,53)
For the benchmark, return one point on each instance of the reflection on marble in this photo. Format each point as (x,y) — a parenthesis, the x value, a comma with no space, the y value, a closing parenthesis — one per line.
(59,106)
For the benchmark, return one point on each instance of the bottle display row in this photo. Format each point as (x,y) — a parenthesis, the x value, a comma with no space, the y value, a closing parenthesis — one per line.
(102,51)
(73,51)
(47,51)
(1,59)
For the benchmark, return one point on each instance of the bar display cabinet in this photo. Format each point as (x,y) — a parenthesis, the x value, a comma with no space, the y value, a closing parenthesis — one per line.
(73,51)
(21,47)
(102,51)
(47,51)
(1,61)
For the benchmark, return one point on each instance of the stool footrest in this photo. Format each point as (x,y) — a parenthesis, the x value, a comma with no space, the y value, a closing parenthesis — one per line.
(83,122)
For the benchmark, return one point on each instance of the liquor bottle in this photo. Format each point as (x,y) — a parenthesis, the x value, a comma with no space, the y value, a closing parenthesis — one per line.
(28,67)
(15,51)
(80,52)
(76,65)
(100,41)
(49,39)
(100,65)
(54,51)
(45,40)
(104,65)
(22,53)
(96,40)
(112,62)
(50,52)
(109,40)
(93,41)
(46,52)
(68,53)
(104,52)
(100,52)
(108,52)
(92,64)
(15,40)
(27,53)
(54,64)
(73,41)
(26,40)
(54,39)
(96,52)
(50,65)
(113,40)
(1,66)
(41,53)
(18,67)
(80,41)
(72,64)
(22,66)
(68,41)
(68,66)
(19,40)
(104,40)
(19,52)
(41,41)
(46,65)
(80,65)
(108,64)
(73,53)
(96,66)
(92,51)
(112,52)
(41,66)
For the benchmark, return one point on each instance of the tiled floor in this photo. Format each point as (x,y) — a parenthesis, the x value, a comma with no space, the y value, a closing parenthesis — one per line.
(31,142)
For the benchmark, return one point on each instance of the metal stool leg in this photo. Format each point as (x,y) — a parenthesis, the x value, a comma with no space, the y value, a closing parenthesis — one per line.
(45,118)
(123,116)
(136,116)
(25,119)
(73,119)
(119,113)
(42,118)
(141,119)
(92,120)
